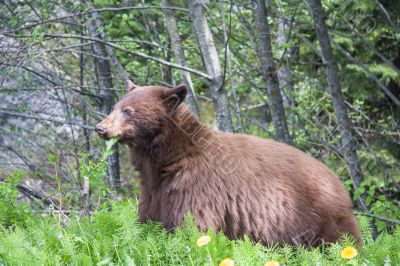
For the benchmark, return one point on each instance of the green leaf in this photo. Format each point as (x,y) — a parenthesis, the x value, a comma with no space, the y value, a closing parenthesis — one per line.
(52,158)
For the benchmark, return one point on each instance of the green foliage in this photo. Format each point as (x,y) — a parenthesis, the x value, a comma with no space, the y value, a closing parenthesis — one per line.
(378,203)
(113,236)
(96,171)
(11,213)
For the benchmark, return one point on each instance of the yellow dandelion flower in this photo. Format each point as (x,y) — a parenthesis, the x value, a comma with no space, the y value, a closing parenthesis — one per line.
(348,253)
(272,263)
(227,262)
(203,240)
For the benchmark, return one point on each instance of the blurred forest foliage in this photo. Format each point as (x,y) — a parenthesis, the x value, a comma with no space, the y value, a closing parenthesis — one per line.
(262,70)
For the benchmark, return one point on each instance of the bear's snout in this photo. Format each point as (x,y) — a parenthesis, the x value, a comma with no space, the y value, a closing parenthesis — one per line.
(110,127)
(101,130)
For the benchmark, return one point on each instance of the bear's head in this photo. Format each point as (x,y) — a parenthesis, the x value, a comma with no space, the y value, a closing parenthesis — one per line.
(140,115)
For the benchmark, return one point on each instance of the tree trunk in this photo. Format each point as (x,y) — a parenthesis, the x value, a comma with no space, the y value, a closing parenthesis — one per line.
(348,145)
(82,62)
(228,65)
(117,65)
(171,25)
(284,73)
(105,89)
(212,64)
(269,74)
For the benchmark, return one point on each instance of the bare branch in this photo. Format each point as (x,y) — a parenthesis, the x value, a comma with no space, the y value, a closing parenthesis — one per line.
(57,121)
(387,220)
(139,54)
(99,11)
(372,75)
(388,18)
(26,190)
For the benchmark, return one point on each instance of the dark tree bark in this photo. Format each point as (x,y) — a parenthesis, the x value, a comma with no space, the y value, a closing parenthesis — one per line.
(105,83)
(264,51)
(176,43)
(348,144)
(212,64)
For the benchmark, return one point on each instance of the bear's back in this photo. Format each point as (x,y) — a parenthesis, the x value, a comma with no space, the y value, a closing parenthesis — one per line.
(281,163)
(280,184)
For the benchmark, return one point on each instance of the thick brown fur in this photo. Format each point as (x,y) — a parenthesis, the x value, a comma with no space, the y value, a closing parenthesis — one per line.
(240,184)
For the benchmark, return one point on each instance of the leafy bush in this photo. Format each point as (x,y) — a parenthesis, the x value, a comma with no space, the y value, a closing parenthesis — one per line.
(12,213)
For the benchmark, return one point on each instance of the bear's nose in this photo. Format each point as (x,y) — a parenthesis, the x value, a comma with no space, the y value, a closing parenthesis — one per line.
(100,129)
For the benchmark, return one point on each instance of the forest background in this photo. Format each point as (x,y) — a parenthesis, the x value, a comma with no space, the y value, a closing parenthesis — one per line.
(323,77)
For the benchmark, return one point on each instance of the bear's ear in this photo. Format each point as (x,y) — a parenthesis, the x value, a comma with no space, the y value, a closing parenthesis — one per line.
(175,96)
(130,85)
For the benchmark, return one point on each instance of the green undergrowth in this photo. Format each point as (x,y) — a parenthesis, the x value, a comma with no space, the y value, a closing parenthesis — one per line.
(112,236)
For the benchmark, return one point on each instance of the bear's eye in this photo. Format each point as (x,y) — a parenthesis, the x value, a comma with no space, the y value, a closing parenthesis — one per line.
(127,111)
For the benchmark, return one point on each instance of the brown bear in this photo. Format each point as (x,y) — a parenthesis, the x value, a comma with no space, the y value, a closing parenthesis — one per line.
(240,184)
